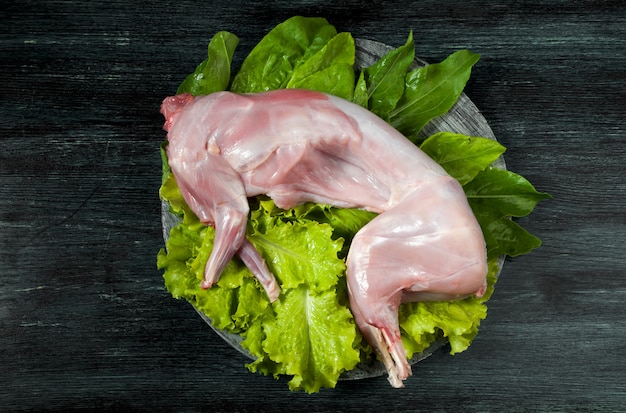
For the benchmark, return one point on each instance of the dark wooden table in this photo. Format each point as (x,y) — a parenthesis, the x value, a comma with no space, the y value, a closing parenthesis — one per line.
(85,322)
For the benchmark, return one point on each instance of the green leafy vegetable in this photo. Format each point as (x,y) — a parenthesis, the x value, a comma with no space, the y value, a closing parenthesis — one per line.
(309,334)
(503,192)
(462,156)
(458,321)
(431,91)
(495,195)
(169,191)
(272,62)
(301,253)
(165,167)
(312,338)
(332,66)
(506,237)
(383,82)
(213,74)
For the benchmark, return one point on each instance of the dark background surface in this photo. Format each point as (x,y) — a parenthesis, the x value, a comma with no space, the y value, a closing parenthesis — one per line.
(85,322)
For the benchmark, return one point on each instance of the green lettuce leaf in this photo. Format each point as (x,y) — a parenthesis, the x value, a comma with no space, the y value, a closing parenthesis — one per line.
(301,252)
(188,248)
(431,91)
(170,192)
(165,166)
(304,257)
(312,337)
(424,322)
(345,222)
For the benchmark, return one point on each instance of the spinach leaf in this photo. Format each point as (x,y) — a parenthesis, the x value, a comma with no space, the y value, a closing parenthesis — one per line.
(384,80)
(329,70)
(271,63)
(504,236)
(503,193)
(431,91)
(462,156)
(360,96)
(495,196)
(213,74)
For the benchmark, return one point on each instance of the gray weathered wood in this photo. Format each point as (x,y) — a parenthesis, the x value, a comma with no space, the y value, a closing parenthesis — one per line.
(85,322)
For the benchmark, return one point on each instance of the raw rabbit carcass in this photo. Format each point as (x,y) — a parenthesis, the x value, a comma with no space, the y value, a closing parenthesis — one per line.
(301,146)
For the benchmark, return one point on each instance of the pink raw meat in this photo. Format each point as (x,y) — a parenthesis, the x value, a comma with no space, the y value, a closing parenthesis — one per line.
(300,146)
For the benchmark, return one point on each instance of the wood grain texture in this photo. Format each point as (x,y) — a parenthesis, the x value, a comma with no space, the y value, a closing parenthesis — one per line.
(85,322)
